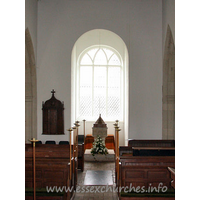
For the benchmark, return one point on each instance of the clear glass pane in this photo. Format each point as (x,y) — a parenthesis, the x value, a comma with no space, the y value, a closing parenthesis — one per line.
(92,52)
(113,105)
(100,58)
(100,91)
(85,105)
(114,60)
(100,94)
(108,52)
(86,60)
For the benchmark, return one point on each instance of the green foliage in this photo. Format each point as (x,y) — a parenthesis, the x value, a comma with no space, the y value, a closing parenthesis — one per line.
(99,147)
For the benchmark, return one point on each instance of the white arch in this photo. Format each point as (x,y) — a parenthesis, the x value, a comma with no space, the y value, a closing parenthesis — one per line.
(107,38)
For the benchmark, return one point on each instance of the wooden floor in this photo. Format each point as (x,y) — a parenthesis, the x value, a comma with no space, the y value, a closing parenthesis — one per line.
(90,194)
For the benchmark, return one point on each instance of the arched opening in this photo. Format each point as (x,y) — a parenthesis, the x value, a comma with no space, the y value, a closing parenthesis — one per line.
(30,89)
(168,100)
(103,42)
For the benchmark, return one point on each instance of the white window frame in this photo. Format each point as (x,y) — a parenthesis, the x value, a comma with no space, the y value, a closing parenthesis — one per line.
(107,118)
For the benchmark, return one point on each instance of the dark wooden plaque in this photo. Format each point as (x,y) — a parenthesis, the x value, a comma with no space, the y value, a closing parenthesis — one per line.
(53,116)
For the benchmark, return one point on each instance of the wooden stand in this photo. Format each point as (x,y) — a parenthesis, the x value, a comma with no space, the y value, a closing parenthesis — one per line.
(117,129)
(70,142)
(75,151)
(34,185)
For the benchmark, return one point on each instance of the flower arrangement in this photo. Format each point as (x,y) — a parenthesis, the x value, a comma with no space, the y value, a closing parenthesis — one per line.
(99,147)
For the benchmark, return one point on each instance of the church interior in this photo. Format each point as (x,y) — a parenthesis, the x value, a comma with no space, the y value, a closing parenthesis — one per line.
(100,99)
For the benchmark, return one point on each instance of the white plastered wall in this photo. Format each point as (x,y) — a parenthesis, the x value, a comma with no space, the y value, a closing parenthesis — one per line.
(137,22)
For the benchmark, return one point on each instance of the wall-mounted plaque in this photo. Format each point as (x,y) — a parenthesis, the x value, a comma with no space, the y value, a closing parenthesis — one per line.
(53,116)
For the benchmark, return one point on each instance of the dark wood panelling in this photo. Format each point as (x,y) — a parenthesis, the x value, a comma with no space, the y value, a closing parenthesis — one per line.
(151,143)
(53,116)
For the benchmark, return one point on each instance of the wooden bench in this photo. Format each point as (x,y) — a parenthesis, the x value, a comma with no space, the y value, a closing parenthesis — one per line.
(125,151)
(145,170)
(52,169)
(62,148)
(151,143)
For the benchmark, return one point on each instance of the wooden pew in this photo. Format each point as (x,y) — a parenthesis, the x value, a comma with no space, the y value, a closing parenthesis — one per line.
(52,168)
(125,151)
(52,165)
(145,170)
(151,143)
(153,151)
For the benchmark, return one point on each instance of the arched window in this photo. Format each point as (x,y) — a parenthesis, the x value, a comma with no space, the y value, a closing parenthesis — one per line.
(100,88)
(99,80)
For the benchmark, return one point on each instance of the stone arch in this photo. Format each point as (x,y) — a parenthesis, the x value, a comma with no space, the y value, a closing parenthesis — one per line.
(30,89)
(168,97)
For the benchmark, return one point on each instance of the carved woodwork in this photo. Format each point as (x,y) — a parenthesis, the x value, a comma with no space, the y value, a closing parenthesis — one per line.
(53,116)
